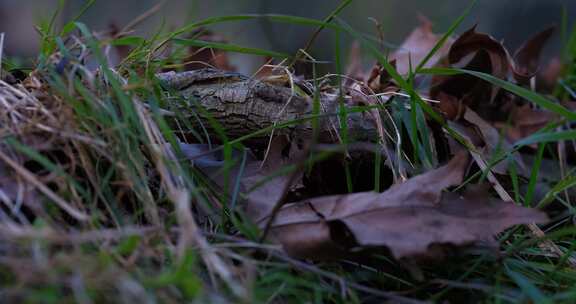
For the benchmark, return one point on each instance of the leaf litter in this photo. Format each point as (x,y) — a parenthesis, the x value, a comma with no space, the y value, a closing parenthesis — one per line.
(407,218)
(411,219)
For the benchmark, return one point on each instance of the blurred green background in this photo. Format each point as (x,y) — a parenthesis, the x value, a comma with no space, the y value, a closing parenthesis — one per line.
(510,20)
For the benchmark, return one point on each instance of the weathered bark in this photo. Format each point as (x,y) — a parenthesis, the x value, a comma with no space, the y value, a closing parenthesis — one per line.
(243,106)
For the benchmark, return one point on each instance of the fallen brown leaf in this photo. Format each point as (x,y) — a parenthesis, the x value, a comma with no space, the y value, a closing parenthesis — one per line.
(410,53)
(407,219)
(260,185)
(417,45)
(493,143)
(549,75)
(471,51)
(527,57)
(450,106)
(527,121)
(471,42)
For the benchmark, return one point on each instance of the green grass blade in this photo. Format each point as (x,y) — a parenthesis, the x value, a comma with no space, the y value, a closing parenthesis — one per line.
(534,175)
(446,35)
(230,48)
(508,86)
(545,137)
(528,287)
(272,17)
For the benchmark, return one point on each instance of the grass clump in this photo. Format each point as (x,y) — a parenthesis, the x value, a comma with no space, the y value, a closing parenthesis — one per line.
(100,204)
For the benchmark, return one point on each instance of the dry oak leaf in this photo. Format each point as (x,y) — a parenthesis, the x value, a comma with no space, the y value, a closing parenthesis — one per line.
(527,57)
(417,45)
(259,182)
(472,51)
(406,219)
(410,53)
(471,42)
(526,121)
(493,143)
(548,75)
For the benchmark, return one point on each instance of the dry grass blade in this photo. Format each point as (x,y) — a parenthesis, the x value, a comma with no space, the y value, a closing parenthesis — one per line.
(190,233)
(32,179)
(13,232)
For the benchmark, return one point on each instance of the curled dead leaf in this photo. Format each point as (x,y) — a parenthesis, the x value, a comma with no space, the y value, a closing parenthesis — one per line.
(450,106)
(471,51)
(471,42)
(527,57)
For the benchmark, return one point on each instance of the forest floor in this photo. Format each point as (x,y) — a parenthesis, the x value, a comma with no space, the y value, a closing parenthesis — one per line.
(147,169)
